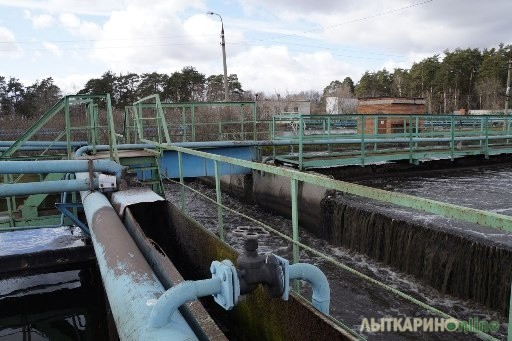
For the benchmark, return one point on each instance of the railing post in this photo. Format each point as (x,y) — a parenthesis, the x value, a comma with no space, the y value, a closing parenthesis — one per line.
(68,127)
(375,130)
(219,200)
(417,131)
(111,131)
(184,123)
(94,125)
(294,184)
(452,137)
(193,122)
(329,149)
(273,134)
(481,129)
(486,137)
(182,182)
(507,122)
(255,127)
(242,123)
(363,146)
(301,147)
(410,139)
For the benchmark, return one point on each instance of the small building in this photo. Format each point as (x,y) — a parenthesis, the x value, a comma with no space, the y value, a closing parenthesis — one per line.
(340,105)
(389,108)
(269,108)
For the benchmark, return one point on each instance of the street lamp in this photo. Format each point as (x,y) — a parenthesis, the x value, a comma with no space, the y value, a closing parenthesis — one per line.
(223,44)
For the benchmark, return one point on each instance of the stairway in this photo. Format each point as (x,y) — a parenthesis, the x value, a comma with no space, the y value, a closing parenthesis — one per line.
(146,170)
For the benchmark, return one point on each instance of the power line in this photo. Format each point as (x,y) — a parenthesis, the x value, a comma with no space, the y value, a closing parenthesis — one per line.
(98,40)
(350,21)
(204,35)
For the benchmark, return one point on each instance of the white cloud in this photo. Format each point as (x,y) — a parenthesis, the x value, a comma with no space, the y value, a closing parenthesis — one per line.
(139,38)
(78,27)
(72,83)
(275,69)
(8,45)
(100,7)
(396,26)
(54,49)
(41,20)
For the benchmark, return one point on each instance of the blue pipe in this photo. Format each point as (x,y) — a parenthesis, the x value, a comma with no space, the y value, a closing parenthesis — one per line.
(28,188)
(35,148)
(180,294)
(102,147)
(131,285)
(60,166)
(318,281)
(45,143)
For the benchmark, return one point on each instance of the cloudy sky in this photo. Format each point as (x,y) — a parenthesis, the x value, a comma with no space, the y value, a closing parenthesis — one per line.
(275,46)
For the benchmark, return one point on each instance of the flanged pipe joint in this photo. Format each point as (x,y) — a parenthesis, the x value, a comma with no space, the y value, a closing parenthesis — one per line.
(254,269)
(229,283)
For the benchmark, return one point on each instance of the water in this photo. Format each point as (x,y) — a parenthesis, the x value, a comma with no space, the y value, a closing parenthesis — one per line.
(352,298)
(21,242)
(486,188)
(66,305)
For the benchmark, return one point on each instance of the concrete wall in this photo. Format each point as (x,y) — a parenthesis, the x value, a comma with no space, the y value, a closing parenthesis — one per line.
(192,248)
(272,192)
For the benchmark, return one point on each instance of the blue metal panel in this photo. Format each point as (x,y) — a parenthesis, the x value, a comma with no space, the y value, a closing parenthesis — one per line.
(194,166)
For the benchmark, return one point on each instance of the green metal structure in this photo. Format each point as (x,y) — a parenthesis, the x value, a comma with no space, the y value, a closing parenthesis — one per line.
(72,119)
(339,140)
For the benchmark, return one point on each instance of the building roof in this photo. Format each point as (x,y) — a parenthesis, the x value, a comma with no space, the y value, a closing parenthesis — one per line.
(391,100)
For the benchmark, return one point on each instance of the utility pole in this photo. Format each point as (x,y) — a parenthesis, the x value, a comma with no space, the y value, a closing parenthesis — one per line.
(507,92)
(223,44)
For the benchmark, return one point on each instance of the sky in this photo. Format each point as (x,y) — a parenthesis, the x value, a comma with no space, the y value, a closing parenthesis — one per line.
(274,46)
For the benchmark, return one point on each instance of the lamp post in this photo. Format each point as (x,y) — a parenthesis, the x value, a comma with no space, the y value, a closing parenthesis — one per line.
(223,44)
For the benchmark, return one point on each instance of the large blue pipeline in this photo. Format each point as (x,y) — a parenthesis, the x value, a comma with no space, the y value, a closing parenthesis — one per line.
(132,287)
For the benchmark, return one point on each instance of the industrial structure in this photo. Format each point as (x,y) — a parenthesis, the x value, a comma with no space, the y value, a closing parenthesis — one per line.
(106,176)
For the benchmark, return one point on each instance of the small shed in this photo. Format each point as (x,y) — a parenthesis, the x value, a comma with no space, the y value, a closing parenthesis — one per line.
(388,114)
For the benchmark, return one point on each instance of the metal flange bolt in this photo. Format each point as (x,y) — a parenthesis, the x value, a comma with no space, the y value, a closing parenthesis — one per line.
(230,286)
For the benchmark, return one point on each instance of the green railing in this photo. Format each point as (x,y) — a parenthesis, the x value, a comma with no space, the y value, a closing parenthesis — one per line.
(333,140)
(471,215)
(74,118)
(192,122)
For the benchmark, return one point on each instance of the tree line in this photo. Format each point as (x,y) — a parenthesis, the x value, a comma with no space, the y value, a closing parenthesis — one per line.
(464,78)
